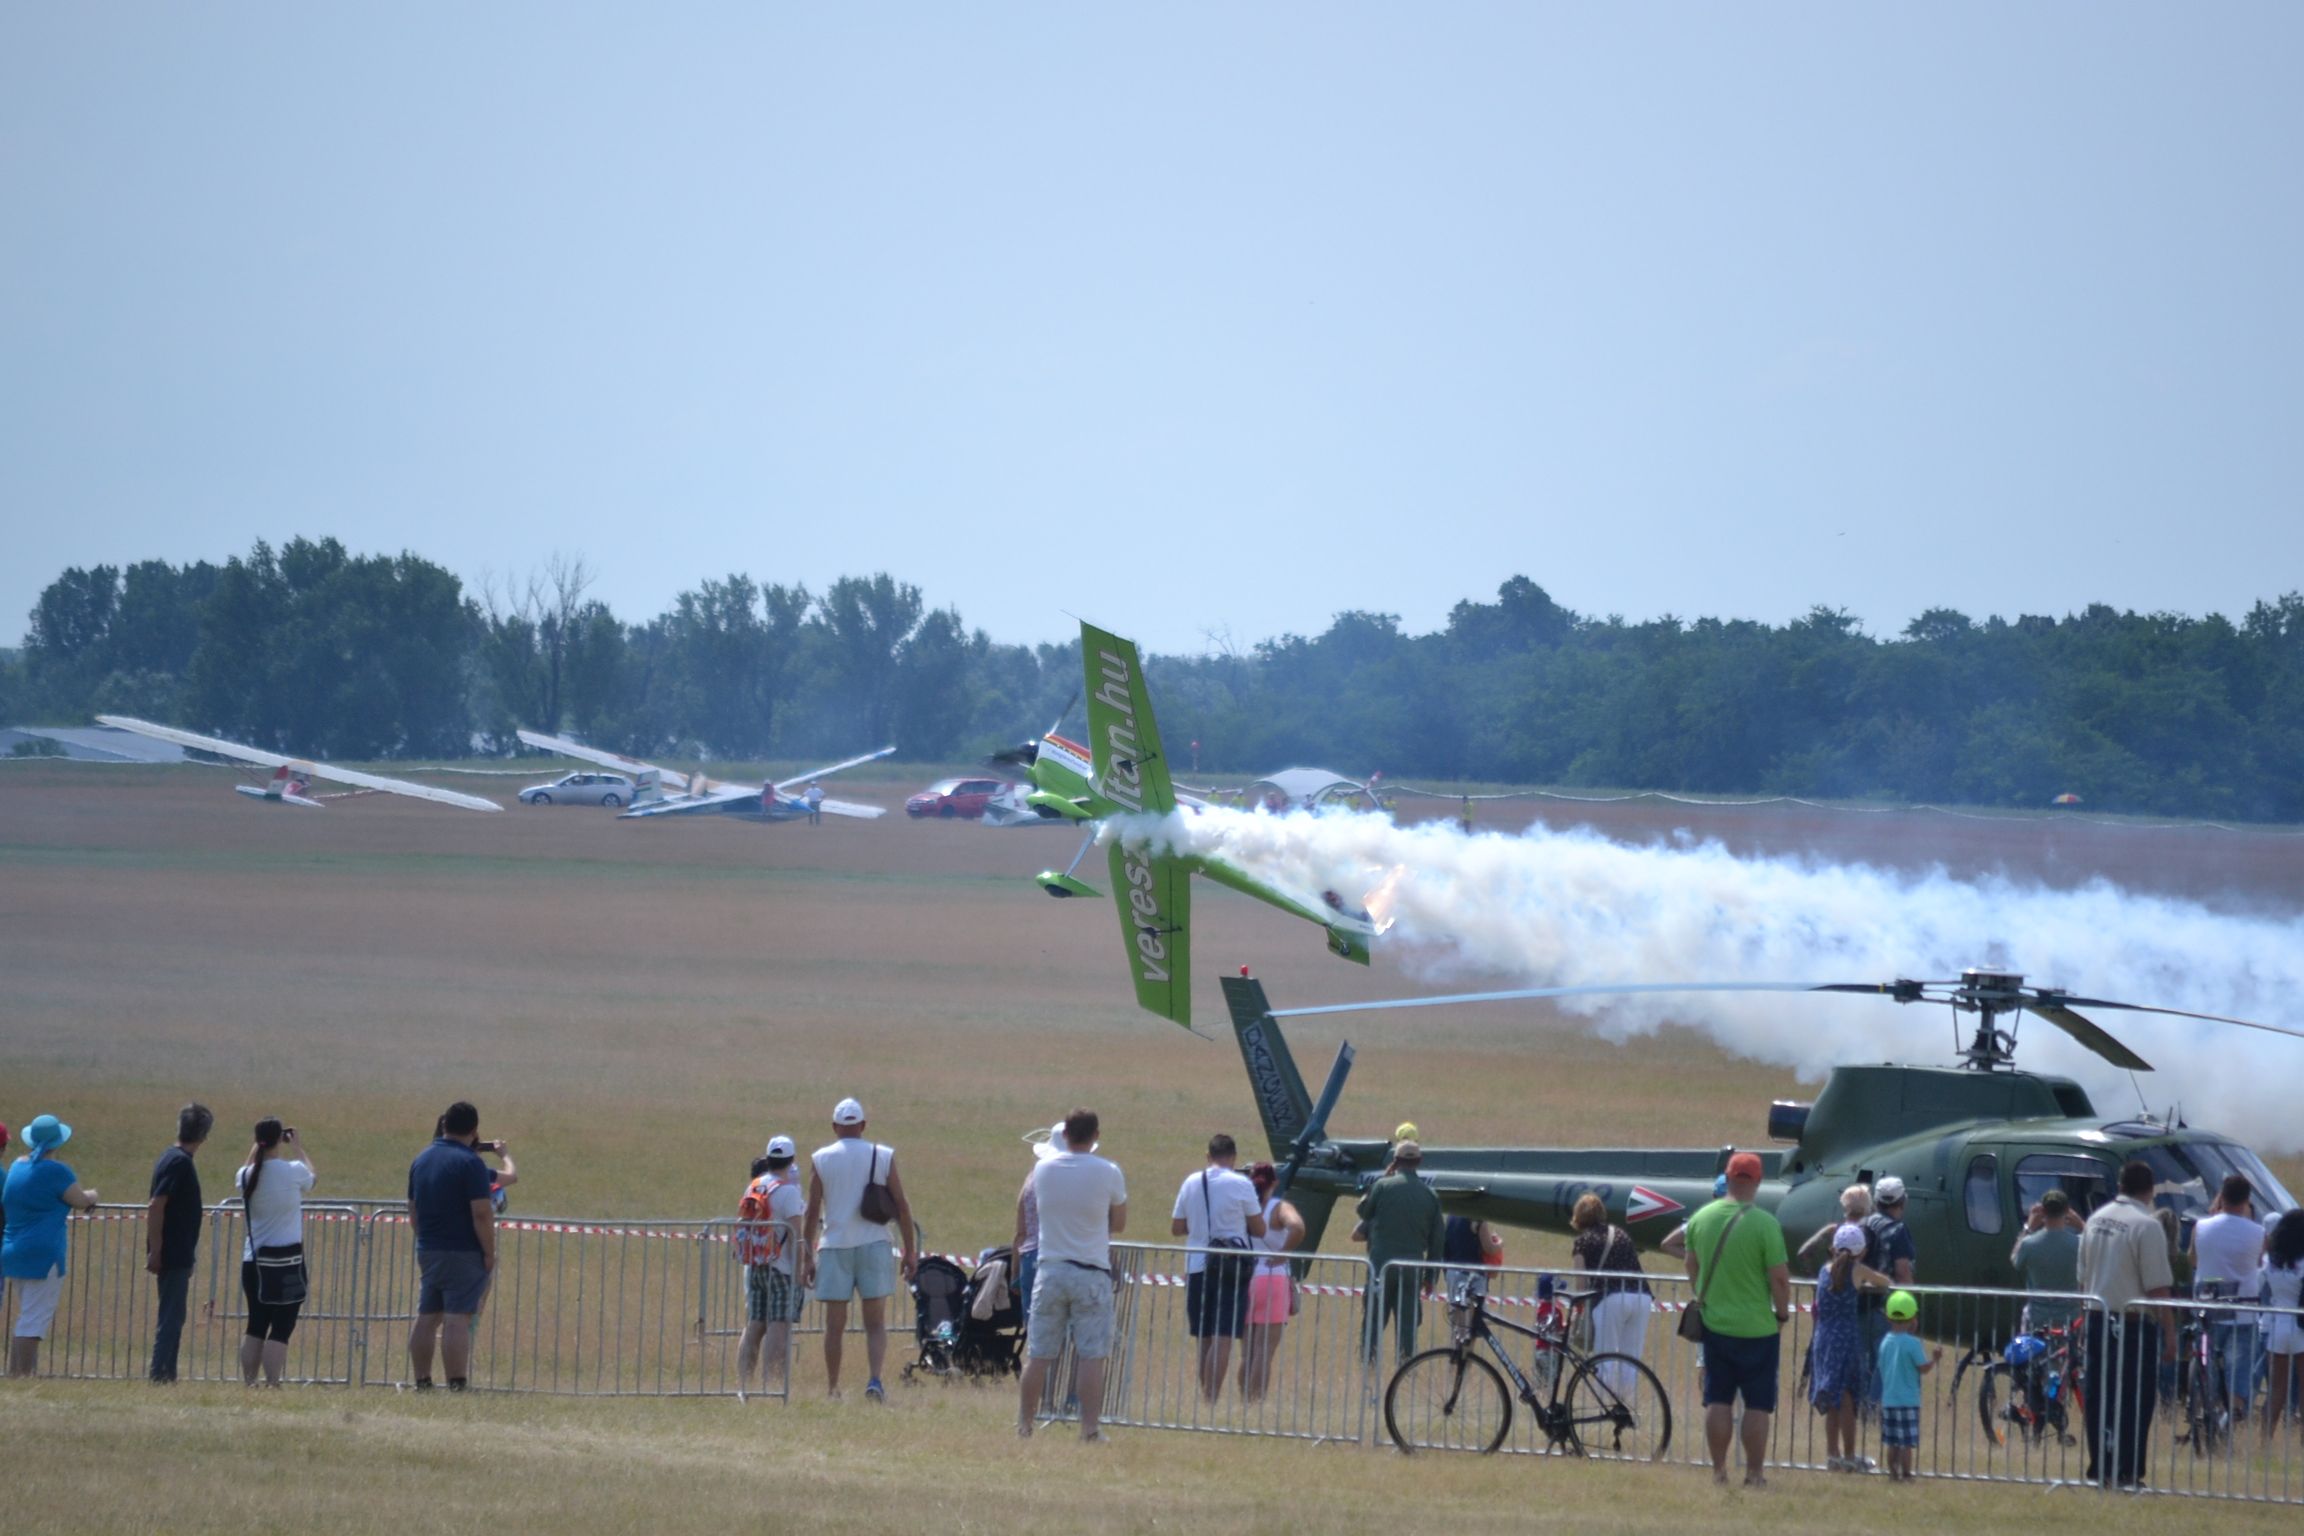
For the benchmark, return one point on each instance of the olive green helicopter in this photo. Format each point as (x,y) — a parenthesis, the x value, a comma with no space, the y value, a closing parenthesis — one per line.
(1975,1144)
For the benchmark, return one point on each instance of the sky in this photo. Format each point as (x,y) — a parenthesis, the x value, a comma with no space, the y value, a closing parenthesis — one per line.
(1206,321)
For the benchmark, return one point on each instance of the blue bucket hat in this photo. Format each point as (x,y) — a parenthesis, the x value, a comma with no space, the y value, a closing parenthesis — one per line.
(46,1134)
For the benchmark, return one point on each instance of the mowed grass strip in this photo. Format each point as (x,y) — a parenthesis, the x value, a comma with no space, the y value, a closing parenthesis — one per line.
(129,1457)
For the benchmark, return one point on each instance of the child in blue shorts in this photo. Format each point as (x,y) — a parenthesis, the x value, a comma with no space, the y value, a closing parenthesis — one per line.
(1902,1364)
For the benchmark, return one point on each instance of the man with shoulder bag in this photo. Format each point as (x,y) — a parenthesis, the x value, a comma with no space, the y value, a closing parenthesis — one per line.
(854,1194)
(1216,1213)
(1743,1279)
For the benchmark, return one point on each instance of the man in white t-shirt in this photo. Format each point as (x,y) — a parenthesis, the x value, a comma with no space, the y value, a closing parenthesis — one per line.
(1083,1205)
(767,1236)
(1216,1208)
(2228,1258)
(853,1260)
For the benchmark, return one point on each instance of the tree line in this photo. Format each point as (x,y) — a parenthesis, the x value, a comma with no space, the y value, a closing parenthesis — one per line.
(310,648)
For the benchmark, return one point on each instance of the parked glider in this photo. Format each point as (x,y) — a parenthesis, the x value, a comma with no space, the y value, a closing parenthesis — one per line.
(776,800)
(292,776)
(1123,772)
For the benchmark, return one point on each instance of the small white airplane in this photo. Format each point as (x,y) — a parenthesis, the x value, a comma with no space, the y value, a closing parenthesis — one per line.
(772,801)
(292,777)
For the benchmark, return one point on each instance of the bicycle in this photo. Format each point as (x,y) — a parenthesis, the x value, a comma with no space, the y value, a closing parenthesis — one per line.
(2033,1387)
(2200,1386)
(1453,1398)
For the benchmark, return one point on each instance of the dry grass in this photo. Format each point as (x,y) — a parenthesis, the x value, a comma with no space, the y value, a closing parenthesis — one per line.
(128,1457)
(641,1005)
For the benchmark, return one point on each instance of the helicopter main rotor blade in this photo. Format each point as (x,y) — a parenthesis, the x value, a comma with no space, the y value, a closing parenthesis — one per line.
(2062,1000)
(2093,1036)
(1594,989)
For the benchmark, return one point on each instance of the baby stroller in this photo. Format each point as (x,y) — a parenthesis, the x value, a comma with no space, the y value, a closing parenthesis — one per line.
(951,1339)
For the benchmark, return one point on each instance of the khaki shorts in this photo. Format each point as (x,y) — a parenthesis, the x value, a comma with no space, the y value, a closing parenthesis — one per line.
(1069,1299)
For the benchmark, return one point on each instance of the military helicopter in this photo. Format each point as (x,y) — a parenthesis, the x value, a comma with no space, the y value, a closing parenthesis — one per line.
(1975,1144)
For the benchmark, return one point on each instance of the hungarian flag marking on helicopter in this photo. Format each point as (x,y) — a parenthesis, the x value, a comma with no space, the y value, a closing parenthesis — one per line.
(1644,1203)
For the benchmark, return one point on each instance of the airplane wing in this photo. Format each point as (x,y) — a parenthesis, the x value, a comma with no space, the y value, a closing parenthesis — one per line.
(1123,738)
(257,755)
(1154,893)
(784,786)
(582,753)
(851,808)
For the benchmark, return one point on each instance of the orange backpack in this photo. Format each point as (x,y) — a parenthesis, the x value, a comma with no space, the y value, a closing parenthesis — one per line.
(757,1242)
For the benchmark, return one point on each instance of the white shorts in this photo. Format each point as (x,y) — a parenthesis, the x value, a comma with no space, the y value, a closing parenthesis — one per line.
(36,1304)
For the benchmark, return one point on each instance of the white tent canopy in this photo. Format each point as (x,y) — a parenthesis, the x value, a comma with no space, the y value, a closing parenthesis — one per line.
(1305,789)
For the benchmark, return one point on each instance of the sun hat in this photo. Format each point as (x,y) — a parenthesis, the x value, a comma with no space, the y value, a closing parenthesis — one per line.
(1746,1165)
(781,1146)
(1848,1238)
(46,1134)
(847,1112)
(1903,1307)
(1888,1191)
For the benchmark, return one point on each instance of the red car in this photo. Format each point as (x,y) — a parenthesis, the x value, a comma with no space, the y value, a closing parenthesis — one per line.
(954,797)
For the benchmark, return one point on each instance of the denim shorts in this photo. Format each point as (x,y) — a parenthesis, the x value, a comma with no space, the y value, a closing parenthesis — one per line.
(867,1270)
(1735,1367)
(450,1280)
(1068,1299)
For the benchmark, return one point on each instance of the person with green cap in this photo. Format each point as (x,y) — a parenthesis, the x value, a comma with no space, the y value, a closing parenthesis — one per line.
(1902,1364)
(40,1191)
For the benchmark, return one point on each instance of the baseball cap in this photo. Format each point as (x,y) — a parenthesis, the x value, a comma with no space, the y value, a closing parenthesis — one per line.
(1408,1152)
(1888,1191)
(1745,1165)
(1903,1306)
(847,1112)
(1848,1238)
(781,1146)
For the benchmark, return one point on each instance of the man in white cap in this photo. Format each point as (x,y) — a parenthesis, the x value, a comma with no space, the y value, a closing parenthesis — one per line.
(852,1258)
(768,1217)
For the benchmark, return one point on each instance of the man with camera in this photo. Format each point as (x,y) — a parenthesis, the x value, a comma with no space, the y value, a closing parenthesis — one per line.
(455,1222)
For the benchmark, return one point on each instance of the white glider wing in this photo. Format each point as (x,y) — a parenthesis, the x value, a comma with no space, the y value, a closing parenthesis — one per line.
(356,779)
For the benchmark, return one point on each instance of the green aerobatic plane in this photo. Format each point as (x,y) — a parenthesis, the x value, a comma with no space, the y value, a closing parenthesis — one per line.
(1121,771)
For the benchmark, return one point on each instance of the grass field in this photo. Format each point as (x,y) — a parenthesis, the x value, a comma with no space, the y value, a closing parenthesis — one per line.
(639,1005)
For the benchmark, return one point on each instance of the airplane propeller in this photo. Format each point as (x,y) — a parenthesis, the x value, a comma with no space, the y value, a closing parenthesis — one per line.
(1987,993)
(1024,754)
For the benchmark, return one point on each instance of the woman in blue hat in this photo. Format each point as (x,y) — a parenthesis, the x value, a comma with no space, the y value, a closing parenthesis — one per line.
(39,1193)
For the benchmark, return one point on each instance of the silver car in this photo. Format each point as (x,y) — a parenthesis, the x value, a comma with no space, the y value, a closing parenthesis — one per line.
(587,788)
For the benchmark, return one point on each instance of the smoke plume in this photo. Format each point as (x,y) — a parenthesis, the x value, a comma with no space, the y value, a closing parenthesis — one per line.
(1559,908)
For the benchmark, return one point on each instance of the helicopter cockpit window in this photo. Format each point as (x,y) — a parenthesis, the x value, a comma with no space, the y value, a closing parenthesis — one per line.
(2271,1196)
(1981,1194)
(2087,1181)
(2176,1183)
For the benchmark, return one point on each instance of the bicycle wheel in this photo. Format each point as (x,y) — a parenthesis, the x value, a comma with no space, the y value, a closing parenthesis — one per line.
(1617,1409)
(1995,1394)
(2204,1408)
(1447,1400)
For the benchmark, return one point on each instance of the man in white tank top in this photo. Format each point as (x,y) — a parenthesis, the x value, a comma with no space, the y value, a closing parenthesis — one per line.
(853,1257)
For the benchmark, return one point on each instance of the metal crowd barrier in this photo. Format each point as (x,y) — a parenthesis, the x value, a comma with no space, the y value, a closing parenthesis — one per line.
(1302,1377)
(658,1308)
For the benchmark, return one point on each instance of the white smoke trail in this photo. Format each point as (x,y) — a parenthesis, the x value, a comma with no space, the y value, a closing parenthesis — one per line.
(1552,907)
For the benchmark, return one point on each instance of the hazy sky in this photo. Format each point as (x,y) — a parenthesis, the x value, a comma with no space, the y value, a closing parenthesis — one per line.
(1192,318)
